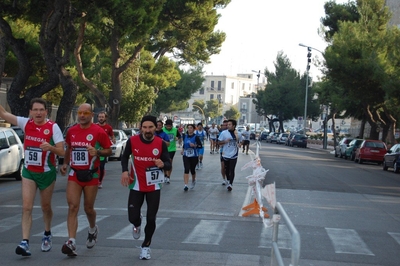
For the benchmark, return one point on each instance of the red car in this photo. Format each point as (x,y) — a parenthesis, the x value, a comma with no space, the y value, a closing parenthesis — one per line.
(372,151)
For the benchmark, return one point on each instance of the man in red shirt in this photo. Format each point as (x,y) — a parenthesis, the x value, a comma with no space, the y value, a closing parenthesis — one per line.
(85,142)
(102,122)
(43,140)
(143,174)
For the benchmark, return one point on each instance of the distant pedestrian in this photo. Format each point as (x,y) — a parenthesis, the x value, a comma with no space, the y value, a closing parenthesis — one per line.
(246,140)
(224,127)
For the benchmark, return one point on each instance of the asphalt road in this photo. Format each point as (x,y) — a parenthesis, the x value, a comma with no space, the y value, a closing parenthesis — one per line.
(347,214)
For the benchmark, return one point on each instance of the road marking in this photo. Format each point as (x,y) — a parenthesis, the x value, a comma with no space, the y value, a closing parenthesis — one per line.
(61,229)
(348,241)
(396,236)
(284,239)
(207,232)
(126,232)
(13,221)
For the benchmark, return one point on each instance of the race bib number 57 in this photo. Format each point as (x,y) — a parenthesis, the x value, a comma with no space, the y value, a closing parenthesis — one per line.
(154,175)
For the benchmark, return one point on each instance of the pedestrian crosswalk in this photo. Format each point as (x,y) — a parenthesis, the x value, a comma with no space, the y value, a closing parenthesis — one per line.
(212,232)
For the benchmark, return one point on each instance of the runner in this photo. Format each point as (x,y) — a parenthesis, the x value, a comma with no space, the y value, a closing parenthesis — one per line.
(213,132)
(201,133)
(160,133)
(102,122)
(173,135)
(144,177)
(43,140)
(224,126)
(246,140)
(85,142)
(230,139)
(191,144)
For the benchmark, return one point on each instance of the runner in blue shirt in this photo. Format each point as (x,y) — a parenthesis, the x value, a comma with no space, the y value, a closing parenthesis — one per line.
(201,133)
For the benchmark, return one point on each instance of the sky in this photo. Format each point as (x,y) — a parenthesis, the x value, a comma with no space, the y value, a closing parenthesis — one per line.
(256,30)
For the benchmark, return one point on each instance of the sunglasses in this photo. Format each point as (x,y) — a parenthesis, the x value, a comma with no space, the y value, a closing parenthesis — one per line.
(84,113)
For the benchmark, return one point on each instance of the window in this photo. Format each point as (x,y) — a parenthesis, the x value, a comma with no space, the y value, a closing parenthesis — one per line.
(244,106)
(3,140)
(219,85)
(219,96)
(212,83)
(11,138)
(232,85)
(201,91)
(211,96)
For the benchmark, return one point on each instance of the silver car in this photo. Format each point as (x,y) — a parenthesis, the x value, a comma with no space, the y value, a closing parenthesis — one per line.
(11,154)
(120,143)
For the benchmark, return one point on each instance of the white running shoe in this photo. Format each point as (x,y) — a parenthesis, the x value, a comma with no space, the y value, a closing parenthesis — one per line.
(46,243)
(193,185)
(197,167)
(145,253)
(166,180)
(136,232)
(92,238)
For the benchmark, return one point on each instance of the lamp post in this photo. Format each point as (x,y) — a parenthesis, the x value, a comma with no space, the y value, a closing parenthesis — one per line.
(201,111)
(309,48)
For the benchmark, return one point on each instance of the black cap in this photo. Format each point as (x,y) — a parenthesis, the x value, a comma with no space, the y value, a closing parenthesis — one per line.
(149,118)
(168,122)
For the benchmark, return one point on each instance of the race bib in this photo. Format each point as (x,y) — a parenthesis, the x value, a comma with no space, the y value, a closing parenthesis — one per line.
(80,156)
(189,152)
(33,156)
(154,175)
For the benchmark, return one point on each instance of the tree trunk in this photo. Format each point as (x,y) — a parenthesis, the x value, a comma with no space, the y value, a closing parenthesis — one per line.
(70,91)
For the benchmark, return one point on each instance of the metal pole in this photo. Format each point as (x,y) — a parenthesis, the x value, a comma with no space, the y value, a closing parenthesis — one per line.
(305,103)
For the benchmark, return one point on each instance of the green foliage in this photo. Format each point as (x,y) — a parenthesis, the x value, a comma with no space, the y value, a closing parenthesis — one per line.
(175,97)
(213,109)
(284,94)
(232,113)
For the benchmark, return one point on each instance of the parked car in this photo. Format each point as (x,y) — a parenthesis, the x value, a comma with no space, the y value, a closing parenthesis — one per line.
(290,136)
(11,153)
(130,132)
(20,132)
(299,140)
(264,136)
(252,134)
(351,149)
(272,137)
(392,159)
(371,150)
(282,138)
(340,149)
(120,143)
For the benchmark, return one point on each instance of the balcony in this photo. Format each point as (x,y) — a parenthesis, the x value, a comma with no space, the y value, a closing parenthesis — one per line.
(243,110)
(211,89)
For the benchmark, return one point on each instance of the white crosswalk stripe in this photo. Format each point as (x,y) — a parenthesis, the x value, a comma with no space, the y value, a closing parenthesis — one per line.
(13,221)
(126,232)
(284,237)
(396,236)
(348,241)
(61,229)
(207,232)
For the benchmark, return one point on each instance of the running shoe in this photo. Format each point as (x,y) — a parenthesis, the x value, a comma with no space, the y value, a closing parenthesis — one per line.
(145,253)
(186,188)
(136,232)
(69,249)
(92,238)
(100,185)
(224,182)
(23,249)
(46,243)
(229,187)
(193,185)
(201,165)
(166,180)
(197,167)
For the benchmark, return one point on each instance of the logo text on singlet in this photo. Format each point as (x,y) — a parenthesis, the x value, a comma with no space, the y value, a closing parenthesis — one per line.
(80,143)
(146,159)
(27,137)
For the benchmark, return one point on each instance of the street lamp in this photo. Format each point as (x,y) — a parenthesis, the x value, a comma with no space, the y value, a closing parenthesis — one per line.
(201,111)
(309,48)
